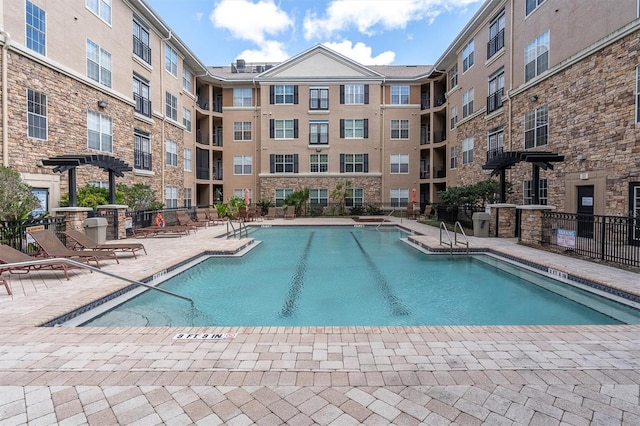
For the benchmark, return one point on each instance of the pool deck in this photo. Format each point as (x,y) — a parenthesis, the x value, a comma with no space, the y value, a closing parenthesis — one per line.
(538,375)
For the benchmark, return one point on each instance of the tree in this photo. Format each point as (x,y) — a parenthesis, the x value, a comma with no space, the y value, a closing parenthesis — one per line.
(297,199)
(139,197)
(17,200)
(341,193)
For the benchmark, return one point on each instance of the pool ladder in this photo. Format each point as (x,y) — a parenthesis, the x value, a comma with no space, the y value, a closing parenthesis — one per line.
(449,242)
(241,226)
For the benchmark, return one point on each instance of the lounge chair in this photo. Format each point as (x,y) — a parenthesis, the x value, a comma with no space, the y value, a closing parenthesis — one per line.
(271,214)
(81,241)
(201,216)
(290,212)
(10,255)
(6,286)
(152,231)
(213,216)
(185,220)
(51,246)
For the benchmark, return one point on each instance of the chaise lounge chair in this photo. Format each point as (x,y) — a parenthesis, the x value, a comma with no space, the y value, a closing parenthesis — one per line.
(213,217)
(151,231)
(271,213)
(185,220)
(51,246)
(81,241)
(290,212)
(10,255)
(202,217)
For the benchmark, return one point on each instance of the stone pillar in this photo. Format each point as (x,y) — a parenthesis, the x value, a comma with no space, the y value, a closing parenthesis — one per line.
(118,216)
(73,216)
(503,220)
(531,223)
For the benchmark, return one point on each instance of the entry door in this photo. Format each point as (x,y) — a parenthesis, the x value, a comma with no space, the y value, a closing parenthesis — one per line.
(585,211)
(634,210)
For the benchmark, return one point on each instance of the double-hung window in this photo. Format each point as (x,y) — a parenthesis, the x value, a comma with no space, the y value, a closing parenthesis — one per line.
(354,94)
(467,150)
(284,163)
(141,95)
(241,130)
(467,56)
(171,60)
(496,91)
(467,103)
(141,47)
(171,197)
(187,160)
(454,116)
(37,114)
(187,197)
(532,5)
(186,118)
(399,164)
(319,163)
(242,97)
(171,153)
(495,142)
(319,98)
(399,95)
(496,35)
(527,192)
(399,129)
(319,197)
(354,128)
(284,129)
(355,197)
(242,164)
(98,64)
(354,163)
(36,23)
(399,197)
(187,79)
(453,157)
(536,57)
(99,132)
(318,132)
(171,106)
(141,150)
(453,77)
(102,8)
(281,195)
(536,127)
(284,94)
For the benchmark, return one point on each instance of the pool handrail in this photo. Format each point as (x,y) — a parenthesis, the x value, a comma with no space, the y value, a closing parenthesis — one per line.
(93,268)
(242,225)
(443,226)
(457,226)
(384,220)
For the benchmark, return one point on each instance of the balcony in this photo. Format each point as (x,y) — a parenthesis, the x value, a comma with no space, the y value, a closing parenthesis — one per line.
(202,103)
(143,105)
(424,174)
(425,137)
(141,160)
(440,100)
(141,50)
(494,100)
(439,173)
(495,44)
(440,136)
(202,173)
(425,102)
(202,138)
(217,137)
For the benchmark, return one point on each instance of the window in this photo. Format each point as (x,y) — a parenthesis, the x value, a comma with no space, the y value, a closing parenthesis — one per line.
(319,197)
(399,163)
(36,28)
(242,165)
(527,192)
(100,132)
(242,96)
(241,192)
(495,142)
(536,57)
(354,94)
(496,91)
(467,56)
(354,163)
(399,95)
(186,161)
(171,153)
(187,198)
(532,5)
(355,198)
(98,64)
(280,196)
(467,150)
(102,8)
(453,157)
(638,94)
(318,132)
(354,129)
(453,76)
(141,96)
(98,183)
(467,103)
(399,129)
(171,197)
(319,98)
(283,129)
(284,163)
(241,130)
(187,79)
(399,197)
(171,104)
(454,116)
(37,115)
(496,35)
(319,163)
(283,94)
(536,127)
(171,60)
(141,150)
(186,118)
(141,46)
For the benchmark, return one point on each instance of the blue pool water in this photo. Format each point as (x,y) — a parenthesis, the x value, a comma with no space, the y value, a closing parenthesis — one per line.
(341,276)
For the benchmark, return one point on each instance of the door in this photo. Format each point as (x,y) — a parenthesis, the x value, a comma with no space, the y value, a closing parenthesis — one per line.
(585,211)
(634,211)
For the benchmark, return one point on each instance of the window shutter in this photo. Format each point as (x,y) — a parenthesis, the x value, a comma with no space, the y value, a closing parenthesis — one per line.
(272,90)
(341,163)
(295,95)
(272,163)
(295,163)
(342,128)
(342,94)
(365,165)
(366,93)
(366,128)
(272,128)
(295,128)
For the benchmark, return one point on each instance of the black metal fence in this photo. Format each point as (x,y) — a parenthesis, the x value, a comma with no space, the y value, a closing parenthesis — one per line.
(613,239)
(462,214)
(14,232)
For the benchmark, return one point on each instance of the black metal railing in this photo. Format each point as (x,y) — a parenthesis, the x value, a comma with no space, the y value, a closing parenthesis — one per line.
(495,44)
(494,100)
(142,160)
(439,136)
(141,50)
(143,105)
(14,232)
(453,214)
(494,152)
(440,100)
(202,173)
(614,239)
(203,103)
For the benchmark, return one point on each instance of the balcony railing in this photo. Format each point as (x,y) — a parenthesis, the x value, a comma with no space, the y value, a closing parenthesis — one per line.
(425,102)
(440,136)
(202,103)
(202,173)
(141,50)
(217,138)
(440,100)
(425,137)
(494,152)
(141,160)
(202,137)
(495,44)
(143,105)
(494,100)
(424,174)
(439,172)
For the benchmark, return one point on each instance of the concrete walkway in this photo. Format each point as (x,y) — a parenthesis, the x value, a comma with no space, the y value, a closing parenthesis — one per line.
(306,375)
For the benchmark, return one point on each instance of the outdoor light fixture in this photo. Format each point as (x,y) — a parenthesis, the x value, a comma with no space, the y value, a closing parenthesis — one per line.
(102,104)
(533,98)
(580,156)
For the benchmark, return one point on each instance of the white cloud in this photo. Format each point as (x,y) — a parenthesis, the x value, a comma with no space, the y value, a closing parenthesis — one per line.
(361,53)
(270,51)
(370,17)
(247,20)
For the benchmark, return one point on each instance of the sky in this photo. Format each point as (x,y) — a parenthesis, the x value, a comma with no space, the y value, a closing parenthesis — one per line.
(371,32)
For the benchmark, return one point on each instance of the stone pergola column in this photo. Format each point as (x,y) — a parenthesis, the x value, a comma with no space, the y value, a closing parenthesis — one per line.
(531,223)
(119,218)
(503,220)
(73,216)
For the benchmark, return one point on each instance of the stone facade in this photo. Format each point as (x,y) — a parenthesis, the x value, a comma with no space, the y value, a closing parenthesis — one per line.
(503,220)
(371,185)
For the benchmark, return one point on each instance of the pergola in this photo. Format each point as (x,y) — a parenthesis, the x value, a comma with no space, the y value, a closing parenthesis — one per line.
(500,161)
(63,163)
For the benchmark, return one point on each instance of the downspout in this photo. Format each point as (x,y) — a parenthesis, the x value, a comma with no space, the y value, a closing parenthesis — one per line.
(254,134)
(5,101)
(164,119)
(510,112)
(382,144)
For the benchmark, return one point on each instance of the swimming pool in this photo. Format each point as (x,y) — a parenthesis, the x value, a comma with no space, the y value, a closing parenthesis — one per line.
(341,276)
